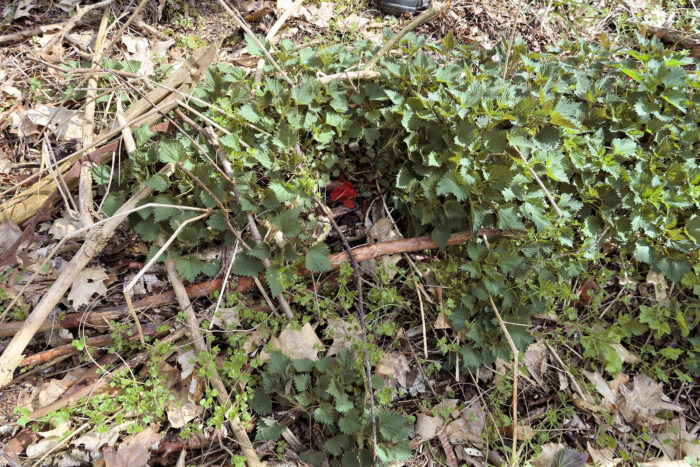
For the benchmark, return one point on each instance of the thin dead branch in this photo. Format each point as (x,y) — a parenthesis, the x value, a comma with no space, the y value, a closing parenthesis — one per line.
(361,310)
(195,333)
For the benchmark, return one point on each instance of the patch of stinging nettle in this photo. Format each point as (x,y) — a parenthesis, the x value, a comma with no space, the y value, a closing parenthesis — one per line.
(330,394)
(613,134)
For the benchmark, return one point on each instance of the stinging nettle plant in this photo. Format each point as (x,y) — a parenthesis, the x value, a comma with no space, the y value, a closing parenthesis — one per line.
(612,135)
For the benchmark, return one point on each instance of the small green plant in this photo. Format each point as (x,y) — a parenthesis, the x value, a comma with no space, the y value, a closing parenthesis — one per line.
(331,394)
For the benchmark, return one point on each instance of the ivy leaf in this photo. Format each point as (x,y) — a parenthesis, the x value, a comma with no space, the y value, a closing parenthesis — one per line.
(247,265)
(318,258)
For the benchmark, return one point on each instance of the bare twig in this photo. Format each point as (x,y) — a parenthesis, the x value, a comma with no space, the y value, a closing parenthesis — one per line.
(273,32)
(242,23)
(516,355)
(361,310)
(195,333)
(70,24)
(435,9)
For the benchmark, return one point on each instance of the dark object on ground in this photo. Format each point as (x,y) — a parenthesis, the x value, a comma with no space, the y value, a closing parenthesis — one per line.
(401,7)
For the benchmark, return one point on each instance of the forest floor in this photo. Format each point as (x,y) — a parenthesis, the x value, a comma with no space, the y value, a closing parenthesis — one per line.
(618,402)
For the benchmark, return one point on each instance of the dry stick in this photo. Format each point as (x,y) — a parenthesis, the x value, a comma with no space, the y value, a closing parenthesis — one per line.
(132,283)
(252,225)
(242,23)
(510,42)
(422,318)
(516,355)
(95,241)
(408,245)
(539,182)
(361,310)
(273,32)
(195,333)
(27,33)
(435,9)
(85,181)
(72,22)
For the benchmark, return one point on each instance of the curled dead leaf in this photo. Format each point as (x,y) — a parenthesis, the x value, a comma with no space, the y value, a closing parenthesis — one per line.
(393,368)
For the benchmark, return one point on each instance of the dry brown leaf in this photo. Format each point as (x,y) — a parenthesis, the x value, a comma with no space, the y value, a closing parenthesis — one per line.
(646,399)
(675,441)
(625,355)
(426,426)
(42,446)
(299,344)
(90,281)
(68,5)
(9,233)
(546,457)
(603,457)
(63,226)
(94,440)
(186,360)
(467,428)
(664,463)
(442,321)
(66,124)
(658,280)
(536,361)
(319,16)
(393,368)
(343,333)
(22,9)
(602,387)
(354,22)
(134,451)
(226,318)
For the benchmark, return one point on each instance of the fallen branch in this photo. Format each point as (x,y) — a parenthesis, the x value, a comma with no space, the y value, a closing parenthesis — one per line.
(71,23)
(98,341)
(408,245)
(516,355)
(195,333)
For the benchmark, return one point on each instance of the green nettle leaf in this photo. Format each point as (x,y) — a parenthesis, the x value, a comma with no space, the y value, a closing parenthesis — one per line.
(692,228)
(288,222)
(260,402)
(337,444)
(350,424)
(249,113)
(447,186)
(303,364)
(318,258)
(324,414)
(247,265)
(508,217)
(141,135)
(301,381)
(394,426)
(101,174)
(253,47)
(171,151)
(269,432)
(313,457)
(278,363)
(272,279)
(440,236)
(148,230)
(260,251)
(282,193)
(158,182)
